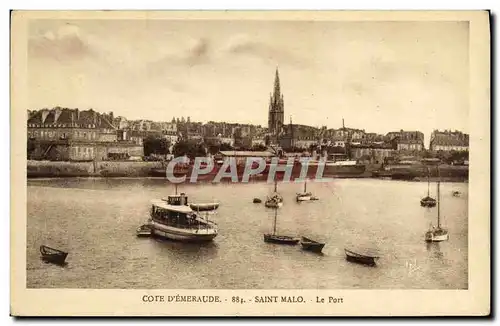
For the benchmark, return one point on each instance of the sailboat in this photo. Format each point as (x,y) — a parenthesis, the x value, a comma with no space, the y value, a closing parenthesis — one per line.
(279,239)
(305,195)
(276,200)
(428,201)
(436,234)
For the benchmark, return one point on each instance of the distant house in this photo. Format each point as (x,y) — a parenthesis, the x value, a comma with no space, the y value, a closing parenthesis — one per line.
(298,136)
(375,153)
(449,141)
(407,140)
(74,135)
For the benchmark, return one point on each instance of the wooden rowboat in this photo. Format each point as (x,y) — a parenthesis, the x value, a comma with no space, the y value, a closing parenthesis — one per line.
(143,230)
(366,257)
(311,245)
(204,207)
(280,239)
(51,255)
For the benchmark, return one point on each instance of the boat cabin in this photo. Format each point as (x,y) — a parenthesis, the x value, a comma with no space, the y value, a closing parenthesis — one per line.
(175,212)
(177,200)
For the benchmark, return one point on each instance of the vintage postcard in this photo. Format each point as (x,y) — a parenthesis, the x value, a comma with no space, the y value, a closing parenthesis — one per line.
(280,163)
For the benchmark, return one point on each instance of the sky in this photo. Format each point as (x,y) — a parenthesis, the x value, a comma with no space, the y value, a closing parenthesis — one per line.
(378,76)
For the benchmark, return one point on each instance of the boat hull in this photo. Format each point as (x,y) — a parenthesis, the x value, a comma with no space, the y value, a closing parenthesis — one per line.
(303,198)
(53,256)
(329,170)
(280,239)
(427,203)
(143,231)
(184,235)
(360,259)
(273,205)
(314,247)
(436,237)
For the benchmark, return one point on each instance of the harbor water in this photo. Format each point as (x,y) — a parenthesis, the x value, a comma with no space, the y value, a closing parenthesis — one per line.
(95,221)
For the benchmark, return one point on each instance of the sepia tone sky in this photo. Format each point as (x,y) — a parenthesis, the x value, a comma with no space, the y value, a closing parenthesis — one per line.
(378,76)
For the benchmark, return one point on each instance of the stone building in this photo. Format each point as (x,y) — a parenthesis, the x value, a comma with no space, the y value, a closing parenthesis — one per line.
(449,141)
(75,135)
(406,140)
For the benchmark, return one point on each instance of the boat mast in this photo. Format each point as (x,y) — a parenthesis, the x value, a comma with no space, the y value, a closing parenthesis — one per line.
(428,181)
(305,186)
(439,199)
(275,220)
(275,185)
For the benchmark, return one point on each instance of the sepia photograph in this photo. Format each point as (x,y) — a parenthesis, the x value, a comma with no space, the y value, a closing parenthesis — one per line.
(249,162)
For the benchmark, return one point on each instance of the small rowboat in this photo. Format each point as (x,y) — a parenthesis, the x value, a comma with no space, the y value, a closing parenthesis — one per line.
(204,207)
(257,201)
(366,257)
(51,255)
(281,239)
(143,230)
(311,245)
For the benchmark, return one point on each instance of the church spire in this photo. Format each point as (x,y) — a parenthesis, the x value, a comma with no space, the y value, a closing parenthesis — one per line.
(277,91)
(276,108)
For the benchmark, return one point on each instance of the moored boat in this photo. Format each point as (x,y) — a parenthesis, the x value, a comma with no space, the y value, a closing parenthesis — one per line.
(311,245)
(275,200)
(174,219)
(361,256)
(279,238)
(304,195)
(437,234)
(428,201)
(52,255)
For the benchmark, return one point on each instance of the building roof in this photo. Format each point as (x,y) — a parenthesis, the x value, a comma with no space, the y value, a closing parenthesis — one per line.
(65,117)
(450,139)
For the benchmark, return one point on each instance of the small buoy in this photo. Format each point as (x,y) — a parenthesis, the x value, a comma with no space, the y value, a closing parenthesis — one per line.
(257,200)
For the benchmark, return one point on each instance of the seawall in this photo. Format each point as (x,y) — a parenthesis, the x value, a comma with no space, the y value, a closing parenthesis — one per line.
(57,169)
(54,169)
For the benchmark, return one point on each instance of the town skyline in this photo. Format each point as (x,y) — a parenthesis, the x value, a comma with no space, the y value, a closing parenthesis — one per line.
(380,77)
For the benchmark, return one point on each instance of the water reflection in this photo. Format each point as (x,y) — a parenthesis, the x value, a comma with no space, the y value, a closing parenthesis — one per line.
(435,250)
(96,219)
(185,251)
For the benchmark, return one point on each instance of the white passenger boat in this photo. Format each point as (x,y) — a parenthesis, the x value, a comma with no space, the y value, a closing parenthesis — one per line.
(174,219)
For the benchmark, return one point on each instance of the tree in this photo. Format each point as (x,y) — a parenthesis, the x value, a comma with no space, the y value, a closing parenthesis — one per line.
(155,145)
(190,149)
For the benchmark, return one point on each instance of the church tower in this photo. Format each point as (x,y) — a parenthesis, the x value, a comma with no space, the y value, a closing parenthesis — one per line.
(276,108)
